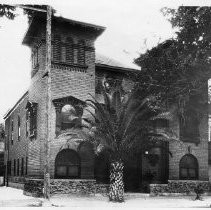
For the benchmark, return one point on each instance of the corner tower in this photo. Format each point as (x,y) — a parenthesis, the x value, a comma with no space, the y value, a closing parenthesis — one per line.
(72,76)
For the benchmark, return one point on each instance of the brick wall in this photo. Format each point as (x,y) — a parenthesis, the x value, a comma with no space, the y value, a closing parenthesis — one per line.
(19,148)
(200,151)
(37,94)
(67,80)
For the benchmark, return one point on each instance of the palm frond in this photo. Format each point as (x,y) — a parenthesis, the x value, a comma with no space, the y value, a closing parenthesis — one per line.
(124,123)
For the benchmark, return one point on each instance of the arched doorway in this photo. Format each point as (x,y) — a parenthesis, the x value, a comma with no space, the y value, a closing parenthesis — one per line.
(188,167)
(67,164)
(102,168)
(86,153)
(132,173)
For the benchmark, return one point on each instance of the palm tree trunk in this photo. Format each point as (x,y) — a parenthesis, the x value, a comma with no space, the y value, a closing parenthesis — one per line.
(116,189)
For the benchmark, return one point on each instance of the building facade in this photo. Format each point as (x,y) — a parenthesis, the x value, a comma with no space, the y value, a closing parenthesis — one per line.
(77,73)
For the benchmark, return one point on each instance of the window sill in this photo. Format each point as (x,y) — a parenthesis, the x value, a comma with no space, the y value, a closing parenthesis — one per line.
(73,132)
(34,70)
(195,140)
(33,134)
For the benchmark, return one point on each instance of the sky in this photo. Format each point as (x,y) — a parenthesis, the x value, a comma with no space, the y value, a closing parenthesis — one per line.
(132,27)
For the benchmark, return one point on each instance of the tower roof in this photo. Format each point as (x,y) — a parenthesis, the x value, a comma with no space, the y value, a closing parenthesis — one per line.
(41,18)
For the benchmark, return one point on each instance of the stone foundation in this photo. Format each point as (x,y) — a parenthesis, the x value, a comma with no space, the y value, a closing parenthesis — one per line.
(66,186)
(178,187)
(34,187)
(102,189)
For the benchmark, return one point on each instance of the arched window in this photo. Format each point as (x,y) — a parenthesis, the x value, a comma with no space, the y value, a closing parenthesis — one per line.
(69,50)
(81,52)
(69,111)
(31,109)
(188,167)
(67,164)
(69,117)
(57,48)
(19,128)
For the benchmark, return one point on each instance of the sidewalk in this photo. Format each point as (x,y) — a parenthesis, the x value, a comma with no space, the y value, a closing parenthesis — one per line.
(132,201)
(10,197)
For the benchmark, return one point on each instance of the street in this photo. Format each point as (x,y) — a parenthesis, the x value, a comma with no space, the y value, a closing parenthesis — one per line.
(11,197)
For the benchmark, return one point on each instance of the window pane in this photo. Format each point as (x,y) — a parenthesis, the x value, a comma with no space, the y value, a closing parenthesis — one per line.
(68,117)
(184,173)
(73,171)
(192,173)
(189,129)
(61,170)
(65,126)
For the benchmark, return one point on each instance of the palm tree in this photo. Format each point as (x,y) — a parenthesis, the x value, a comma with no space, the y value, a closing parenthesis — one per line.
(115,126)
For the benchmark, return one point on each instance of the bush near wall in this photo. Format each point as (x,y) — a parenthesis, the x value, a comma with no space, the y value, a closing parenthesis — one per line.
(174,187)
(34,187)
(66,186)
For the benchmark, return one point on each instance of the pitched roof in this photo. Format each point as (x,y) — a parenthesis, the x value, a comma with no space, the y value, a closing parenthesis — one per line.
(104,61)
(17,103)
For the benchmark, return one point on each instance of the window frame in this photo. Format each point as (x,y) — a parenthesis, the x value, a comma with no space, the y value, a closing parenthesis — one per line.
(18,167)
(81,54)
(27,123)
(69,51)
(26,166)
(14,167)
(56,52)
(35,53)
(22,166)
(12,132)
(196,168)
(9,168)
(189,122)
(70,123)
(32,107)
(68,166)
(193,136)
(19,128)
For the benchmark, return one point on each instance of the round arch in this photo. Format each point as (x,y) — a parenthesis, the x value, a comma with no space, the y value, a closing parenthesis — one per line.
(86,152)
(67,164)
(188,167)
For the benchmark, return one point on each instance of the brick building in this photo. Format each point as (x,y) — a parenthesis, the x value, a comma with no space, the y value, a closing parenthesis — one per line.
(78,72)
(2,168)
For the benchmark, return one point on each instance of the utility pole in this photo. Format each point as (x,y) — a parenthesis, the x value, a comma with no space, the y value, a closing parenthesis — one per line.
(48,96)
(48,106)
